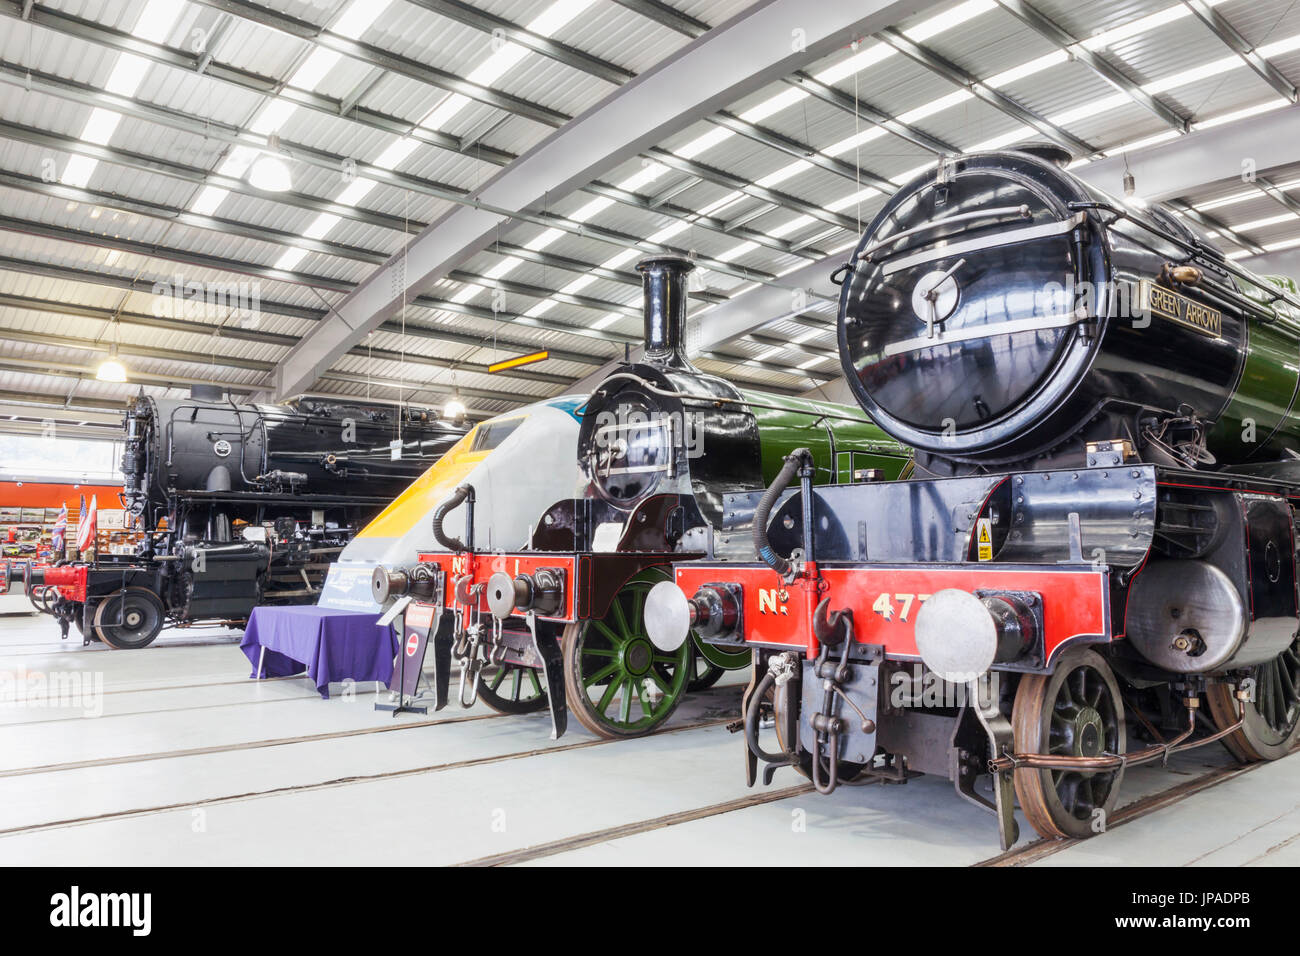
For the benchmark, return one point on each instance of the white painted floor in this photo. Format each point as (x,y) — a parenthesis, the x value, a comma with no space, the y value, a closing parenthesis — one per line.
(178,758)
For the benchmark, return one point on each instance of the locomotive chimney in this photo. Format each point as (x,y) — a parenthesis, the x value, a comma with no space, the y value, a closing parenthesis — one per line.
(663,282)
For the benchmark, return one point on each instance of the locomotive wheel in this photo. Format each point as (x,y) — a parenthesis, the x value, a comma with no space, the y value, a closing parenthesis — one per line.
(703,674)
(1075,710)
(129,619)
(618,683)
(512,689)
(711,662)
(1272,720)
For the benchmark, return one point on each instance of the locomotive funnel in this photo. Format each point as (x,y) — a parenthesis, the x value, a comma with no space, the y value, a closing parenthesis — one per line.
(663,282)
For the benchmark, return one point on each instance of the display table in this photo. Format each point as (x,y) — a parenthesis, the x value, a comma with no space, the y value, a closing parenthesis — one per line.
(329,644)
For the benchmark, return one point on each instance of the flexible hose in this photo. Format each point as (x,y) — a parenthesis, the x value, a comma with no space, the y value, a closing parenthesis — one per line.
(764,509)
(751,724)
(440,513)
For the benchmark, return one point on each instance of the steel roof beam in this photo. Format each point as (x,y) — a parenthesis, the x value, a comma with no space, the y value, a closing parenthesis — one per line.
(27,366)
(229,361)
(334,162)
(863,110)
(667,15)
(1049,30)
(1288,202)
(1239,45)
(238,267)
(240,333)
(998,100)
(95,33)
(414,70)
(388,60)
(196,175)
(803,151)
(1211,222)
(472,16)
(1189,163)
(102,408)
(101,35)
(720,67)
(613,73)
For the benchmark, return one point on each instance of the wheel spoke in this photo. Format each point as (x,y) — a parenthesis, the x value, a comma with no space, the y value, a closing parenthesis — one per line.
(514,684)
(608,697)
(601,675)
(537,685)
(625,705)
(662,684)
(497,678)
(615,639)
(620,619)
(638,607)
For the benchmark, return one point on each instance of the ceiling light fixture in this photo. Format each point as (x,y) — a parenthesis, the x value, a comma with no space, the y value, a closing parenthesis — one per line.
(454,409)
(270,173)
(111,369)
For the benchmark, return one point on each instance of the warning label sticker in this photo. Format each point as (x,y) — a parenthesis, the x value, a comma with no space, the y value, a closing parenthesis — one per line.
(984,539)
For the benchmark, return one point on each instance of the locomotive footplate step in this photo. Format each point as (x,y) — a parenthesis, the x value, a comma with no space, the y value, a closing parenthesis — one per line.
(547,646)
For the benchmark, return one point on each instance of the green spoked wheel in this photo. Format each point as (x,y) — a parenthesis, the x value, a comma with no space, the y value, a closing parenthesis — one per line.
(512,689)
(1270,723)
(618,683)
(712,661)
(703,674)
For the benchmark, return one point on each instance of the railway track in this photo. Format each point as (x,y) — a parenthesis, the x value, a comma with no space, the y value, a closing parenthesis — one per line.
(318,785)
(593,837)
(1022,856)
(74,645)
(1152,803)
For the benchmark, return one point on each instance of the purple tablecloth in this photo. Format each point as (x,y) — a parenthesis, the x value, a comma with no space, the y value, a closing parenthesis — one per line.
(329,644)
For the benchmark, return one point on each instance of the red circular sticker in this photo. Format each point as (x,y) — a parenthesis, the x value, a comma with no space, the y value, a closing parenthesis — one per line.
(412,643)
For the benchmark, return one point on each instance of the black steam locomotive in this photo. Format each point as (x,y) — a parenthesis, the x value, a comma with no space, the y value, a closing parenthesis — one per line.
(1103,410)
(239,505)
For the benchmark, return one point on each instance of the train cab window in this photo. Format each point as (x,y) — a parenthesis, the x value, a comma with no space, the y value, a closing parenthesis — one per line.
(492,434)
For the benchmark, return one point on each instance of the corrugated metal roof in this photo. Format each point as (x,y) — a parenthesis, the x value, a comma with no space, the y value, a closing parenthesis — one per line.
(985,44)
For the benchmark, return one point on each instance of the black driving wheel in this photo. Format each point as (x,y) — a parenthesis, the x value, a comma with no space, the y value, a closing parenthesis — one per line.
(129,619)
(1270,724)
(1076,711)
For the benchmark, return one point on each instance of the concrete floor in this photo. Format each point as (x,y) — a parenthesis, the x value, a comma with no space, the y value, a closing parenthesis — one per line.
(176,757)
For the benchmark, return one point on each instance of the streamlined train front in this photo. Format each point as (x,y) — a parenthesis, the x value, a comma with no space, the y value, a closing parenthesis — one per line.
(1101,405)
(660,443)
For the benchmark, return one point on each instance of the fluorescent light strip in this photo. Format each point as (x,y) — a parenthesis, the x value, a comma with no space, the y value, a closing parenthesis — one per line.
(155,22)
(1244,195)
(1266,221)
(873,54)
(355,21)
(966,11)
